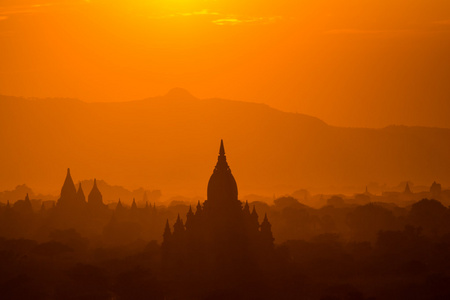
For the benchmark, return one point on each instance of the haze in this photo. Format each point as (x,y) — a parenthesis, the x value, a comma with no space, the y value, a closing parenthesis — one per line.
(224,149)
(350,63)
(170,143)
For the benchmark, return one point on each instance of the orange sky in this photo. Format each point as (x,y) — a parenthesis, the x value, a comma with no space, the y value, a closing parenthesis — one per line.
(351,63)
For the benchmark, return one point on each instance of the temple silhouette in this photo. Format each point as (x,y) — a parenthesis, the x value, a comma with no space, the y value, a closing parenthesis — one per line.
(222,236)
(83,246)
(74,201)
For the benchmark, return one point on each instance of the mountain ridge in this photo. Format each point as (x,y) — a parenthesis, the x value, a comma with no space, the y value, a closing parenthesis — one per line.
(164,97)
(173,145)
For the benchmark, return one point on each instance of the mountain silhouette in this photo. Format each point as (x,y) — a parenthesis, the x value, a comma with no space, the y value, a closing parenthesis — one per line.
(169,142)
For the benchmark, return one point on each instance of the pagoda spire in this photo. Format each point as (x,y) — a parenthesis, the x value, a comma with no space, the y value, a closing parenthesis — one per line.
(178,227)
(145,198)
(133,205)
(167,243)
(199,208)
(254,213)
(95,196)
(222,164)
(189,218)
(367,193)
(222,185)
(134,209)
(246,208)
(68,190)
(80,194)
(265,218)
(94,187)
(167,231)
(222,149)
(166,236)
(119,206)
(266,233)
(407,189)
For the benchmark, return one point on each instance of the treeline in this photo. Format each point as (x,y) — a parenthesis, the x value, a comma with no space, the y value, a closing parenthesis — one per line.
(372,251)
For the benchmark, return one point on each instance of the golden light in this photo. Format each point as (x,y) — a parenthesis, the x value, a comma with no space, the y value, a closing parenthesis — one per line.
(159,6)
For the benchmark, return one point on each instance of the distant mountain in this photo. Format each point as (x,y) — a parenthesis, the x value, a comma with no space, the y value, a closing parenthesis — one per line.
(172,142)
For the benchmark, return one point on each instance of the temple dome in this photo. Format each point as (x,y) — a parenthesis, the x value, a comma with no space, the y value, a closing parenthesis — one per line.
(222,185)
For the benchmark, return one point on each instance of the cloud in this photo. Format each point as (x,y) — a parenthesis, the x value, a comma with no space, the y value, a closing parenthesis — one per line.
(235,20)
(227,21)
(2,18)
(203,12)
(216,18)
(220,18)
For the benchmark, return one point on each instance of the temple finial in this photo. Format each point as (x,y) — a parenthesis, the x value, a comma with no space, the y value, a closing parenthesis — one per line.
(407,189)
(222,149)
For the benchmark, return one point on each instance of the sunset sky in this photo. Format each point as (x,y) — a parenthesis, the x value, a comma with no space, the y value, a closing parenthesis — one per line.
(351,63)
